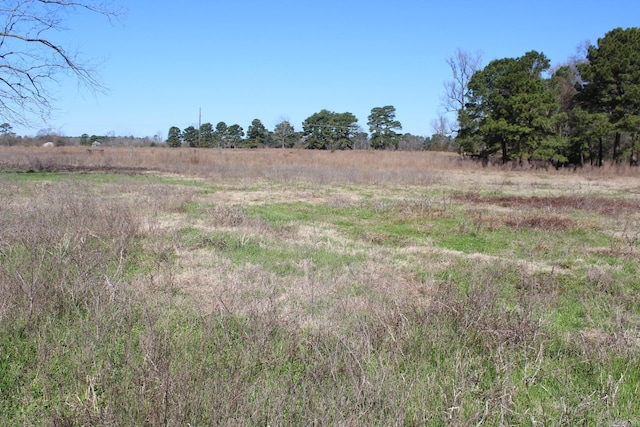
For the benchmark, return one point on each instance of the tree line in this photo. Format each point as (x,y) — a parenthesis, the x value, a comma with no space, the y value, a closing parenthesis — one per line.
(324,130)
(584,112)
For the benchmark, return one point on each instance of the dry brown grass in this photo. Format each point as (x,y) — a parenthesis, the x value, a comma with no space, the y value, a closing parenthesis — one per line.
(406,167)
(268,163)
(594,203)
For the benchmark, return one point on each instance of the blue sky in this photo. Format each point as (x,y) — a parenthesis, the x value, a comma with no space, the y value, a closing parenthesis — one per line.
(239,60)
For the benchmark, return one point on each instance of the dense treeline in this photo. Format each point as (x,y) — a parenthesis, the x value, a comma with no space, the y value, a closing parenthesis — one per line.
(585,112)
(325,130)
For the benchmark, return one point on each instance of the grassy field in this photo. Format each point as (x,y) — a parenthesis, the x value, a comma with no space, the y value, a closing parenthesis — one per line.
(181,287)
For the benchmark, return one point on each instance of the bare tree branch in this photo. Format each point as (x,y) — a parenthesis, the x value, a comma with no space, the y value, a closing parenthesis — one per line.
(31,63)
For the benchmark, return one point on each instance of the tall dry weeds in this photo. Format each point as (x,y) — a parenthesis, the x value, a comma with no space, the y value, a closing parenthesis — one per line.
(62,250)
(357,166)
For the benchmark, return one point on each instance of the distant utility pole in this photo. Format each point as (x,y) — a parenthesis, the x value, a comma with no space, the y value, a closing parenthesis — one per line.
(199,126)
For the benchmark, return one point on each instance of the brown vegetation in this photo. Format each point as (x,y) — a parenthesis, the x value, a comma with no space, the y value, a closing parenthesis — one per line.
(412,167)
(599,204)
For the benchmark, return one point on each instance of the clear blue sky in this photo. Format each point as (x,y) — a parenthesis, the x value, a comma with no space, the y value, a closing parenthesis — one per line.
(287,59)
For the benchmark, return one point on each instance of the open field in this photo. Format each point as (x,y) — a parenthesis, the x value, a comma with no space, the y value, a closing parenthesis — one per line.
(293,287)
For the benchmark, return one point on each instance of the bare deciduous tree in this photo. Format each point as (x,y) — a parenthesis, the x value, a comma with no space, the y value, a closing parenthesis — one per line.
(463,65)
(440,125)
(30,61)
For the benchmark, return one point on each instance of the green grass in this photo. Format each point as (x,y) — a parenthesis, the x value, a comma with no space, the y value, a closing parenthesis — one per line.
(31,176)
(279,213)
(283,259)
(357,222)
(106,178)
